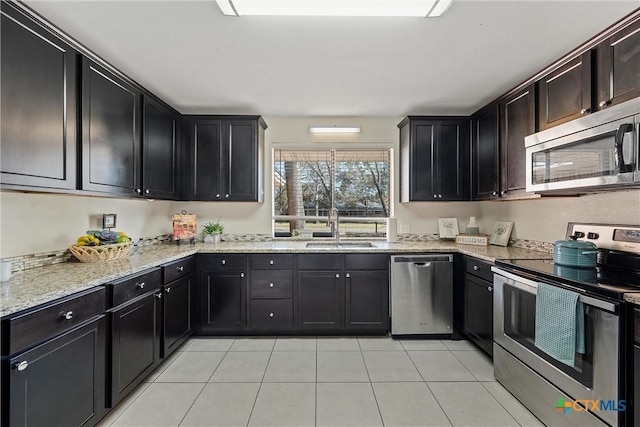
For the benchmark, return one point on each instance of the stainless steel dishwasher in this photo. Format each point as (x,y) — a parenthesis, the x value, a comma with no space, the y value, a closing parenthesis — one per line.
(421,294)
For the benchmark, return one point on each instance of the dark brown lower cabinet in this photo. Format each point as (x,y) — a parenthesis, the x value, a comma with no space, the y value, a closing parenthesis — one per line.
(223,300)
(320,302)
(478,312)
(135,342)
(177,314)
(60,382)
(367,301)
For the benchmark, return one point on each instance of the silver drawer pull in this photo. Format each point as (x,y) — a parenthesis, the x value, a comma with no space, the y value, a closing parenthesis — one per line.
(489,288)
(270,314)
(337,275)
(271,284)
(241,274)
(476,268)
(181,268)
(21,366)
(140,285)
(159,295)
(168,290)
(347,275)
(270,262)
(224,261)
(67,316)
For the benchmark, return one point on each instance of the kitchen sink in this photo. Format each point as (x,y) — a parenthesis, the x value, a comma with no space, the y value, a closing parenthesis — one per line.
(345,245)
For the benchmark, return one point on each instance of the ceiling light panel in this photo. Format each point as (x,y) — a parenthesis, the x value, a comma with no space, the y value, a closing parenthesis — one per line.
(419,8)
(334,129)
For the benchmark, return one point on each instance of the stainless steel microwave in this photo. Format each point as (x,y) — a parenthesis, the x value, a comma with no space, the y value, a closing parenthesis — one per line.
(595,152)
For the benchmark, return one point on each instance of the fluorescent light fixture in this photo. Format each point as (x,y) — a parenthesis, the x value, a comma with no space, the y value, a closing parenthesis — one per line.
(333,129)
(419,8)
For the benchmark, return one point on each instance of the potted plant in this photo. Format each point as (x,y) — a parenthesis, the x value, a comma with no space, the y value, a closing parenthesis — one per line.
(212,231)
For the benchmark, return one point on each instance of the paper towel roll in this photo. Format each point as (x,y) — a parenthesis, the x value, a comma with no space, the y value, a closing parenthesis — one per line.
(392,229)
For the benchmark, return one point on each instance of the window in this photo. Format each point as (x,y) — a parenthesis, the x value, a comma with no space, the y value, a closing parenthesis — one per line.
(308,183)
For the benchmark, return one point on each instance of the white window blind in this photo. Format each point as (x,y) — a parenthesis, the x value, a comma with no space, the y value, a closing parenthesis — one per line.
(308,183)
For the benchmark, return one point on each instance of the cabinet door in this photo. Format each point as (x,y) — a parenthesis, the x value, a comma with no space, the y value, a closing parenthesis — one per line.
(158,150)
(486,154)
(319,304)
(452,160)
(619,67)
(518,121)
(239,160)
(63,382)
(224,300)
(110,132)
(422,173)
(478,312)
(205,148)
(135,343)
(38,97)
(565,94)
(367,301)
(177,314)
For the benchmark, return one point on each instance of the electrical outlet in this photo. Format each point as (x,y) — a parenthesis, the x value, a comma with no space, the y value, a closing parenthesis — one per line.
(404,228)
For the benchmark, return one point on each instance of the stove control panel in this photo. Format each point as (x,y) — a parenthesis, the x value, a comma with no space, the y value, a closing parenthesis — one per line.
(605,236)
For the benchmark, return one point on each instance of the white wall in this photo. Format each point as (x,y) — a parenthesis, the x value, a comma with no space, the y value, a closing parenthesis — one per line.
(31,223)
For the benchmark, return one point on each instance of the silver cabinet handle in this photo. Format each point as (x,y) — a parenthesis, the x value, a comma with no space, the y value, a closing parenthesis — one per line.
(604,103)
(140,285)
(337,275)
(147,191)
(435,196)
(270,262)
(241,274)
(494,193)
(503,192)
(226,196)
(347,275)
(270,314)
(489,288)
(476,268)
(218,195)
(21,366)
(439,196)
(224,261)
(587,110)
(181,268)
(159,295)
(67,316)
(271,284)
(168,290)
(138,190)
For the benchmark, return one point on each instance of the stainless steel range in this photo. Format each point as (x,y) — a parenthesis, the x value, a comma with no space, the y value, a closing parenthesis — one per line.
(589,390)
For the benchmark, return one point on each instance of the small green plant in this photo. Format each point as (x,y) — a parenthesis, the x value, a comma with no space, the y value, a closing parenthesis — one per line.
(212,228)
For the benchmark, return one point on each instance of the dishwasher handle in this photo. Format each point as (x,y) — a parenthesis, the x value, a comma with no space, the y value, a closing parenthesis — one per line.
(422,264)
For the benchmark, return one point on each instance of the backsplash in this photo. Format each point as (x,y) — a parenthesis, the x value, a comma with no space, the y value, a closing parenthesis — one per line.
(517,243)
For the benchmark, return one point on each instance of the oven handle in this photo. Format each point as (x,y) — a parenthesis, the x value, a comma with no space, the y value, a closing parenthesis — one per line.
(531,287)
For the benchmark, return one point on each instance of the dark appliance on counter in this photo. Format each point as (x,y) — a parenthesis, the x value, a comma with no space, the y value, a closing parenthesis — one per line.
(592,153)
(558,393)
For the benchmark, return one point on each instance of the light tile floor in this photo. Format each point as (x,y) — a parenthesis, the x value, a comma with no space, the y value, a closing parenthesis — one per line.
(323,381)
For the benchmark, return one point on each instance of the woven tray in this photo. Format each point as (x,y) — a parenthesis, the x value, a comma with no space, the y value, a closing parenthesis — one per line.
(100,253)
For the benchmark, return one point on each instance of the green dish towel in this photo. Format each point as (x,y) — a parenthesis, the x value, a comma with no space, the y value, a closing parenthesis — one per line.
(559,323)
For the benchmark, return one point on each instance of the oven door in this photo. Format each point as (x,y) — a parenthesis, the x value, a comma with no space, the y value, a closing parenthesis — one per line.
(595,373)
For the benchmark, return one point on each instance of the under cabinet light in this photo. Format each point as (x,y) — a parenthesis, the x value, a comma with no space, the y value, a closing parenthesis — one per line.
(334,129)
(416,8)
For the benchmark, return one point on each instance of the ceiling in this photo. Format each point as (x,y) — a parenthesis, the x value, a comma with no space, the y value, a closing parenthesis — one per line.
(200,61)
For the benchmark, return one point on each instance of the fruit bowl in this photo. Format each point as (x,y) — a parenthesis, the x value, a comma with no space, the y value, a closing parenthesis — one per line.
(100,253)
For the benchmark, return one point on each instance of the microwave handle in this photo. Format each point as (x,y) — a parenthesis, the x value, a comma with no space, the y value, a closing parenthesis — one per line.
(619,141)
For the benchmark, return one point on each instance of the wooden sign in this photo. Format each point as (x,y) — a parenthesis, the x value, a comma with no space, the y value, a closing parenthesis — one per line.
(472,239)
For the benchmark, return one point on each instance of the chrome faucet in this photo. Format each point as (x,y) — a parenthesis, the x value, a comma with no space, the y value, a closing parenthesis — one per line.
(334,221)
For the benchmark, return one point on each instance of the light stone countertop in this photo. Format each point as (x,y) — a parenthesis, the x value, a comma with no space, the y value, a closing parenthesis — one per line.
(632,297)
(37,286)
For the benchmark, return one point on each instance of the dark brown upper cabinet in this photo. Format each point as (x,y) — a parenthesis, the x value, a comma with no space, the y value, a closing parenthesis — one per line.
(565,93)
(434,159)
(226,155)
(618,67)
(517,113)
(159,150)
(110,132)
(38,92)
(486,153)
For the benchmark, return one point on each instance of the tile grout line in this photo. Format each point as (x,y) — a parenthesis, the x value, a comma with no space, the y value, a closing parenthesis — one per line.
(503,407)
(465,366)
(261,382)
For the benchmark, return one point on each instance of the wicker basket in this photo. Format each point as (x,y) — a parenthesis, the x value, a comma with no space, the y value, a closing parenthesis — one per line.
(100,253)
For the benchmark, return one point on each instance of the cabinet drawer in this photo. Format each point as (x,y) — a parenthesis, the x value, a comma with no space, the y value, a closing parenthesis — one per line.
(35,326)
(366,261)
(177,269)
(223,262)
(272,314)
(133,287)
(271,284)
(320,261)
(272,261)
(478,268)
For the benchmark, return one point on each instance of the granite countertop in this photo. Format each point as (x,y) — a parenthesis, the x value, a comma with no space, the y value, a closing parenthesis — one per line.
(36,286)
(632,297)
